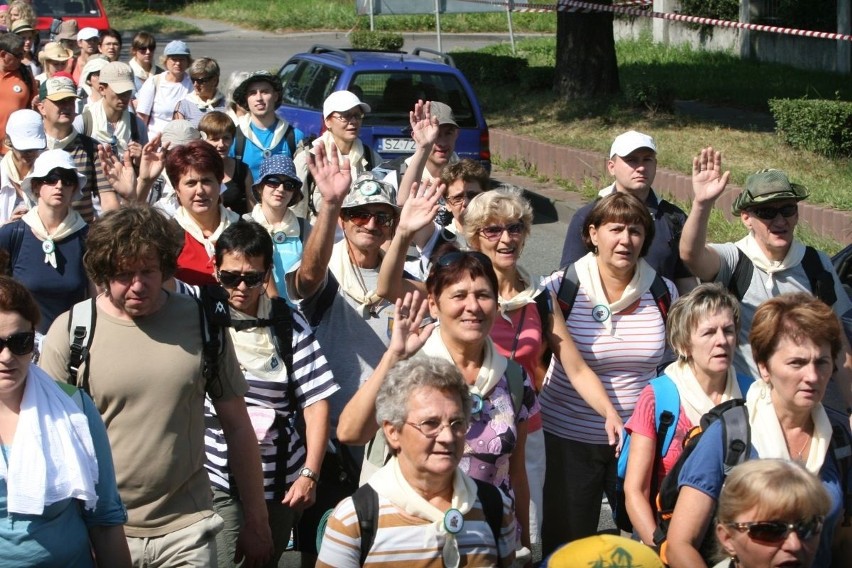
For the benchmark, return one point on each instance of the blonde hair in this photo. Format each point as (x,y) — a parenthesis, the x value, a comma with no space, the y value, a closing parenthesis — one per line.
(501,205)
(691,309)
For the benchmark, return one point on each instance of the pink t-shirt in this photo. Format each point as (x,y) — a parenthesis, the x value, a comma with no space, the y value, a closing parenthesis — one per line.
(642,423)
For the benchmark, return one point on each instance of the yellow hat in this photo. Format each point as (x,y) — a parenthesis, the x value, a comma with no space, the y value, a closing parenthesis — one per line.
(604,551)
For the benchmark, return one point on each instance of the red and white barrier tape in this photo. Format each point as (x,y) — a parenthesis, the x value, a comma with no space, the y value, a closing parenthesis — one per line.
(576,5)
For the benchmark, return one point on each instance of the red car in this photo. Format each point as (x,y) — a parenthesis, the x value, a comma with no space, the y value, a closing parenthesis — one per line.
(88,13)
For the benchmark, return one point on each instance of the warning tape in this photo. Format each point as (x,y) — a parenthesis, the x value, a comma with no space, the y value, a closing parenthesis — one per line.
(576,5)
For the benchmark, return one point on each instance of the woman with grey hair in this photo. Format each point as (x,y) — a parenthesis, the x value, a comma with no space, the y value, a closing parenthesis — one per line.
(424,408)
(206,96)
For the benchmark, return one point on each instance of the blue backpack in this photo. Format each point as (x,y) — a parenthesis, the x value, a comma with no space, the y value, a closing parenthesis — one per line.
(666,415)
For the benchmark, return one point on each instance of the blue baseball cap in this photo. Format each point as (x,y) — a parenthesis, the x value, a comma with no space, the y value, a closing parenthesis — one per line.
(176,47)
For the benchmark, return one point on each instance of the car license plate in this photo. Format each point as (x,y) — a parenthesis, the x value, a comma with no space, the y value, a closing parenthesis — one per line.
(398,145)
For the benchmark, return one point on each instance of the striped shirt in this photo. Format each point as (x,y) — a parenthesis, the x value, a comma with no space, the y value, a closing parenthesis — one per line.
(402,540)
(625,362)
(90,167)
(311,382)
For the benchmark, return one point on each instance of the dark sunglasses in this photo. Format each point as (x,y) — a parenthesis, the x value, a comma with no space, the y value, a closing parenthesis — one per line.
(67,177)
(451,258)
(769,213)
(778,531)
(233,279)
(145,49)
(275,183)
(19,343)
(494,232)
(202,80)
(362,217)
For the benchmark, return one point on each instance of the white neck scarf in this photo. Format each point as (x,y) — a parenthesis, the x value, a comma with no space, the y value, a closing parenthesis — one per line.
(69,225)
(767,436)
(61,143)
(493,364)
(349,277)
(254,347)
(589,276)
(139,71)
(277,135)
(289,225)
(521,299)
(357,161)
(694,400)
(226,217)
(752,250)
(11,170)
(390,483)
(53,456)
(103,130)
(218,101)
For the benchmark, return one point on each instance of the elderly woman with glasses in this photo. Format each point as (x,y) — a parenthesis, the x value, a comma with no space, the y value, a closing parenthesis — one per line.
(795,339)
(343,113)
(156,100)
(771,513)
(47,244)
(58,496)
(142,50)
(205,96)
(429,512)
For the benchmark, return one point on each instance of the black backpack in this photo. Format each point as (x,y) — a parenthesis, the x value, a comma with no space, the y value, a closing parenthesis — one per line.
(842,262)
(821,280)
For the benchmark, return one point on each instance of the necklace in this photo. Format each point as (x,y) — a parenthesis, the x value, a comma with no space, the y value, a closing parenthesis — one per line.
(801,450)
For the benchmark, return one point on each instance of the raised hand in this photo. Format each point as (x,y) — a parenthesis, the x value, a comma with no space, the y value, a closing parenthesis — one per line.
(333,178)
(408,336)
(153,159)
(708,181)
(421,207)
(424,127)
(119,174)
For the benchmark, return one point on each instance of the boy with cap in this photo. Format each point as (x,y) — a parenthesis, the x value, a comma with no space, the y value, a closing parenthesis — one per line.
(24,141)
(777,262)
(278,189)
(87,42)
(633,164)
(260,133)
(16,80)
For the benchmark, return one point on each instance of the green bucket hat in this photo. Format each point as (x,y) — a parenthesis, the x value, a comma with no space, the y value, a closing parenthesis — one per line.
(767,186)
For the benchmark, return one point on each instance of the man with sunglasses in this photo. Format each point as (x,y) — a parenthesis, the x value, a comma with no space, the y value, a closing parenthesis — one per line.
(337,287)
(17,87)
(769,261)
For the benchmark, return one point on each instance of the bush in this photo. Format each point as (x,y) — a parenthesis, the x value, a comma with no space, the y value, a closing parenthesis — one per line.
(486,68)
(716,9)
(823,127)
(384,41)
(651,96)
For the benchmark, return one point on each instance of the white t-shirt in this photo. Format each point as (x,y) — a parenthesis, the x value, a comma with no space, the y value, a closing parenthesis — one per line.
(158,99)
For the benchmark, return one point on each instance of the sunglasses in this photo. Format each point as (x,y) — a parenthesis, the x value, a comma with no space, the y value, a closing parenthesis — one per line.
(362,217)
(19,343)
(145,49)
(778,531)
(202,80)
(233,279)
(275,183)
(451,258)
(494,232)
(463,198)
(67,177)
(769,213)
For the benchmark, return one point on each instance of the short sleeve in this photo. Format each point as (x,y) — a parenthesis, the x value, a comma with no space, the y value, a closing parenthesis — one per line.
(145,97)
(56,349)
(642,421)
(341,542)
(728,257)
(704,469)
(311,372)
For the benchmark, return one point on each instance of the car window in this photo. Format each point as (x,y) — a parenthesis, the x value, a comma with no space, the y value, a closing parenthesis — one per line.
(391,95)
(307,83)
(58,8)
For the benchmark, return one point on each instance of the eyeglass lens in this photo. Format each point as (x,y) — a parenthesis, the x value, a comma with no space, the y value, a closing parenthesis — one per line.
(19,343)
(493,232)
(769,213)
(233,279)
(361,218)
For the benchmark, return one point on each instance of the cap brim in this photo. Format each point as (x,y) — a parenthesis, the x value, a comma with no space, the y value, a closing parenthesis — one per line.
(61,97)
(119,87)
(28,144)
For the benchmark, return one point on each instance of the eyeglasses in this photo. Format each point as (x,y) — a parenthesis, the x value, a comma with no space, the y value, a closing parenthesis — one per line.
(146,49)
(362,217)
(769,213)
(432,428)
(233,279)
(451,258)
(494,232)
(345,118)
(67,177)
(778,531)
(19,343)
(275,183)
(202,80)
(459,199)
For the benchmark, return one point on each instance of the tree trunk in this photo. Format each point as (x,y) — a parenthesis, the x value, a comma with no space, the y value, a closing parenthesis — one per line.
(585,55)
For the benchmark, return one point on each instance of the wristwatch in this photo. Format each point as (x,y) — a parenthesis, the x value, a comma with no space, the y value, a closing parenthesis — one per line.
(310,474)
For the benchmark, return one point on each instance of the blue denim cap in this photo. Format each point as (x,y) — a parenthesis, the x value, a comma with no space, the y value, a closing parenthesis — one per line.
(176,47)
(279,165)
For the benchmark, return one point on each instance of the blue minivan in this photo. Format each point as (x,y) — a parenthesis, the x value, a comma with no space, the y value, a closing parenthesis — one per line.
(390,82)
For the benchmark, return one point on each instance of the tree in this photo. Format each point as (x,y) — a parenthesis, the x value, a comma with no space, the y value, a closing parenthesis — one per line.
(586,66)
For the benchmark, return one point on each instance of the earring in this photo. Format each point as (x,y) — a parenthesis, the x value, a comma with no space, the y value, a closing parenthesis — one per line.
(595,250)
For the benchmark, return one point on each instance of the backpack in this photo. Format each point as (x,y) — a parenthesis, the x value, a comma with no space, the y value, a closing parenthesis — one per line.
(240,141)
(666,416)
(88,125)
(821,280)
(842,262)
(571,285)
(366,502)
(213,316)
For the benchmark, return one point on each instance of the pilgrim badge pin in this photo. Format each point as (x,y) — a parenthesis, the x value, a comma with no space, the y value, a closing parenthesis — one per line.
(600,313)
(453,521)
(278,237)
(48,247)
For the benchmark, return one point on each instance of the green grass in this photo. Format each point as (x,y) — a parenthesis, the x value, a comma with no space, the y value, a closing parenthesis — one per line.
(134,15)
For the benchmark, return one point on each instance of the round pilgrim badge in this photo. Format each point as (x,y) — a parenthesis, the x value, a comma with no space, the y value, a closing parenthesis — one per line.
(278,237)
(267,153)
(368,188)
(476,406)
(17,88)
(453,521)
(600,313)
(48,247)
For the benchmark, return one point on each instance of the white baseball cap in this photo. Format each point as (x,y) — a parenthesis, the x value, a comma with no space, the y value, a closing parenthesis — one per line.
(629,142)
(341,101)
(87,33)
(25,129)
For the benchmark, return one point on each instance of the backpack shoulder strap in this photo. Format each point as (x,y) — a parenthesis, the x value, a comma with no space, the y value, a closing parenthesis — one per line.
(134,128)
(666,410)
(290,135)
(492,506)
(820,279)
(81,329)
(736,433)
(368,156)
(366,502)
(324,301)
(282,332)
(515,378)
(741,276)
(87,121)
(662,296)
(568,289)
(302,228)
(214,317)
(543,306)
(239,144)
(674,217)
